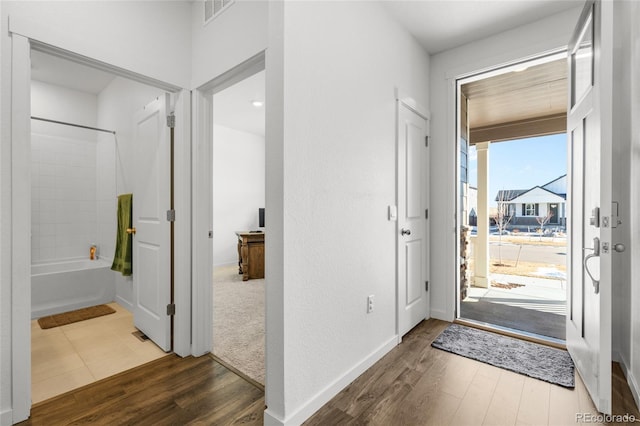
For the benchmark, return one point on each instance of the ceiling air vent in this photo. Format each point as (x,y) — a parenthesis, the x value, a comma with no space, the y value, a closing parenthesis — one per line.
(213,8)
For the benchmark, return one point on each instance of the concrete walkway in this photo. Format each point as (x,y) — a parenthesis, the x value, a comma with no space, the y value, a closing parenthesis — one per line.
(540,294)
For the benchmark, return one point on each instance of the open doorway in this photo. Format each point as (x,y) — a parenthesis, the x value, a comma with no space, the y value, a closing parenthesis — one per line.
(513,191)
(238,226)
(82,158)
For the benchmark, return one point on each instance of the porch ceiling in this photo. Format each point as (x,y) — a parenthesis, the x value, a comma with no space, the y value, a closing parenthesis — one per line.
(517,104)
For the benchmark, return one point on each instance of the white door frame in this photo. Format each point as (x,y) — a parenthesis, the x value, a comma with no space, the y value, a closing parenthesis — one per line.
(202,168)
(456,88)
(20,221)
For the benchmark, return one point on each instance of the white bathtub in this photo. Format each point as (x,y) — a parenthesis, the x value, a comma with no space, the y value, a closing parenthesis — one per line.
(67,285)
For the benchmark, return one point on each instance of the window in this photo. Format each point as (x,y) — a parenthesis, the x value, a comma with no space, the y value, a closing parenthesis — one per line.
(529,209)
(464,179)
(213,8)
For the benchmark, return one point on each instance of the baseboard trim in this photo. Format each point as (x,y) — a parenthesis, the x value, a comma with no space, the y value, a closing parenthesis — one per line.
(325,395)
(124,303)
(631,380)
(633,385)
(224,265)
(272,420)
(441,315)
(6,418)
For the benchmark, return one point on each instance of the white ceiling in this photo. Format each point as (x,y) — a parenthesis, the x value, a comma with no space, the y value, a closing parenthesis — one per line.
(439,25)
(233,107)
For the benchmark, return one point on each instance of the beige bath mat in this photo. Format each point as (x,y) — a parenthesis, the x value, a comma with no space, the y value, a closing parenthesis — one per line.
(75,316)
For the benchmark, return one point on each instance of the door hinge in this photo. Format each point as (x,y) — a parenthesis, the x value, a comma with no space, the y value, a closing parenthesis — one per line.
(210,234)
(171,121)
(426,141)
(171,309)
(426,213)
(171,215)
(426,286)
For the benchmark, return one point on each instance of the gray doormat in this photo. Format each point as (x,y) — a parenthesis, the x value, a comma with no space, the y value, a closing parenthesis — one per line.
(531,359)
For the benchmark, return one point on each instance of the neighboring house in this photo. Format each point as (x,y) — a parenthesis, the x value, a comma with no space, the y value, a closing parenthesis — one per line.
(472,200)
(527,205)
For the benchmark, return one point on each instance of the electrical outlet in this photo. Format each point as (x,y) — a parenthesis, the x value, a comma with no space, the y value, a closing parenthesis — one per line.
(370,304)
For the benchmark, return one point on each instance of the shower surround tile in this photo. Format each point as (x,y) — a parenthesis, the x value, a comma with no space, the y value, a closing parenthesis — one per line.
(64,193)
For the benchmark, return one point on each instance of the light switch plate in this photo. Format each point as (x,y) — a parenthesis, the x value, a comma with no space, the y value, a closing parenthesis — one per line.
(393,213)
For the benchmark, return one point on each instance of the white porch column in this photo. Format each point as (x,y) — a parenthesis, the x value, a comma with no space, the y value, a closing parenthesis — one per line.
(481,261)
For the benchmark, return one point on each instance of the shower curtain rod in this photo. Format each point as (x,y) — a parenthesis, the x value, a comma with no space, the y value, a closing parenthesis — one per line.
(73,125)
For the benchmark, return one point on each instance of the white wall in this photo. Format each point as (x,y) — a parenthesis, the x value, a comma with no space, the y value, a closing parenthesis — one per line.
(63,174)
(238,189)
(117,105)
(150,38)
(544,35)
(331,130)
(236,35)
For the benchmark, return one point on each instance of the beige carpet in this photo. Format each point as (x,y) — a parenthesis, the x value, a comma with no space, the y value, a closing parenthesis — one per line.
(238,321)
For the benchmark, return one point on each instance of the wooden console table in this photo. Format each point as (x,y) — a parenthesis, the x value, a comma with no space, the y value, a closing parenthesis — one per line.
(250,254)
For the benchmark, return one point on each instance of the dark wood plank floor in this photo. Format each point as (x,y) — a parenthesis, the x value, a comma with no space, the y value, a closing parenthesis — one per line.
(168,391)
(414,384)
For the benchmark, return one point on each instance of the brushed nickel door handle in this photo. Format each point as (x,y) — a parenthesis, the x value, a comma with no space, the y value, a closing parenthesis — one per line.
(585,264)
(619,247)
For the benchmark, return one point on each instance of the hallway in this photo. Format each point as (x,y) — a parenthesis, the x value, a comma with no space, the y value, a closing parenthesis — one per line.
(414,384)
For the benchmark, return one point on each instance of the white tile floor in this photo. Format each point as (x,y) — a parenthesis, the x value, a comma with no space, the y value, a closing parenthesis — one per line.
(74,355)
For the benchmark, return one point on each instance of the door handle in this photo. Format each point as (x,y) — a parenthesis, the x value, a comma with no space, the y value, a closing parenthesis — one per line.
(619,247)
(131,230)
(405,231)
(596,253)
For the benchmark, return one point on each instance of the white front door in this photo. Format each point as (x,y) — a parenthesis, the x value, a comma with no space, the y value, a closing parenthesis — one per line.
(589,221)
(412,238)
(152,240)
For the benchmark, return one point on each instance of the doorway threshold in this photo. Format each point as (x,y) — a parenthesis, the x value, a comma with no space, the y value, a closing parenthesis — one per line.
(518,334)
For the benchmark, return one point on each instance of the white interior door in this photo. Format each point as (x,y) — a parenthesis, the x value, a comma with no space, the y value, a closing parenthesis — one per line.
(152,240)
(589,137)
(412,238)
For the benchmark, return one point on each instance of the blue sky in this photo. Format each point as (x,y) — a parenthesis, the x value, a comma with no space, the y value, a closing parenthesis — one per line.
(522,164)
